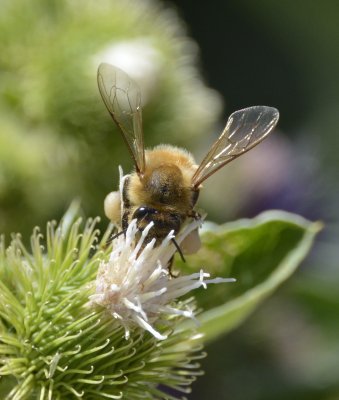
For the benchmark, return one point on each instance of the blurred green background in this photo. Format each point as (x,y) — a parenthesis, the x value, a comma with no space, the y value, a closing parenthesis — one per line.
(283,54)
(57,142)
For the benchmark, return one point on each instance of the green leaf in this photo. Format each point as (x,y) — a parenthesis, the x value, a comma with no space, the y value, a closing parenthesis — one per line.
(260,253)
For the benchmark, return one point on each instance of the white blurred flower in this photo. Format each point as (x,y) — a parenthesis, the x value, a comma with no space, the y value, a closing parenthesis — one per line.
(135,286)
(139,58)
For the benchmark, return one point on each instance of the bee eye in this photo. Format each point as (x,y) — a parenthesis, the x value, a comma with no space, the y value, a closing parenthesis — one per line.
(142,212)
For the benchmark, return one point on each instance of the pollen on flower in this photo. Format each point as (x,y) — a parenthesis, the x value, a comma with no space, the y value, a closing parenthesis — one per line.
(135,286)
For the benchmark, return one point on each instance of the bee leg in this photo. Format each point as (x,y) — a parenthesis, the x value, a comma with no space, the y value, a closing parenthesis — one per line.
(194,214)
(178,249)
(115,236)
(169,267)
(112,207)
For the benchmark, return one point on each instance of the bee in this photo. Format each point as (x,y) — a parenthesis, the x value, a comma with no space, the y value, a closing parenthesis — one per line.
(165,184)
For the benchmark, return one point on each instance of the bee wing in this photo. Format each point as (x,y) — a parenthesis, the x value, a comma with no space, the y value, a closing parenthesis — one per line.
(244,130)
(122,98)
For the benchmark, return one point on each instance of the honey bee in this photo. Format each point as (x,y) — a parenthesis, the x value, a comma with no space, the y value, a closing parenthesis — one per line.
(165,185)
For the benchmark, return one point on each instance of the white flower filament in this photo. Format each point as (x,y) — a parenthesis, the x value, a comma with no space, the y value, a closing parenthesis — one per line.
(135,286)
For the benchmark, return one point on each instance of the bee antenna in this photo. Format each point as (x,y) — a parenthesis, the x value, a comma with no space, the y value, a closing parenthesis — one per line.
(178,249)
(115,236)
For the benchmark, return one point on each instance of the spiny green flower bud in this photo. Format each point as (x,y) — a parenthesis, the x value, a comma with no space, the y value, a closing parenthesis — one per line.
(55,345)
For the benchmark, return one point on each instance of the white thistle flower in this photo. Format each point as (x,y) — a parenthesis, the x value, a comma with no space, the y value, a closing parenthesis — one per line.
(135,286)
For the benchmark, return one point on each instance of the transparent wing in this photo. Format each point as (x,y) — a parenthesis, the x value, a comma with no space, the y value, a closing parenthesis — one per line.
(122,98)
(244,130)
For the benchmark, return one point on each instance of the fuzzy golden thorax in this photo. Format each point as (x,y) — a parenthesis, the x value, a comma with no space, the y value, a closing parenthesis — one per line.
(166,181)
